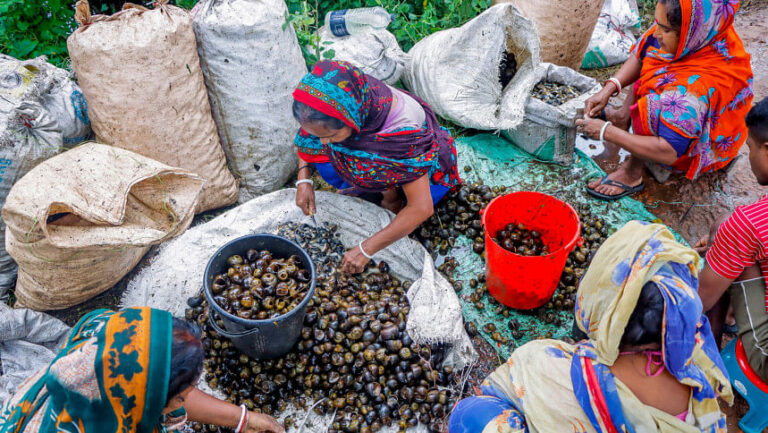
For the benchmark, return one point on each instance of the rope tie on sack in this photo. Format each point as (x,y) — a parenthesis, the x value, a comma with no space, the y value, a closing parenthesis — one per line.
(83,12)
(84,18)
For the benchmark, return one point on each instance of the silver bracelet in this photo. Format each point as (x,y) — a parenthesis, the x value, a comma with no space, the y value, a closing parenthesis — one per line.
(299,182)
(360,245)
(602,131)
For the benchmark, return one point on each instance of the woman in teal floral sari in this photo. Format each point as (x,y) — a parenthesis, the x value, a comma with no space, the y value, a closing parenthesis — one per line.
(131,371)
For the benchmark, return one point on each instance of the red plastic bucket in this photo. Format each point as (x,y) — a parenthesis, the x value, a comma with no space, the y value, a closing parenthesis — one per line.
(526,282)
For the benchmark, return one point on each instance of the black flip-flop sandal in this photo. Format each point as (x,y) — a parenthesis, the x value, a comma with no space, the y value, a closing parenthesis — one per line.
(628,190)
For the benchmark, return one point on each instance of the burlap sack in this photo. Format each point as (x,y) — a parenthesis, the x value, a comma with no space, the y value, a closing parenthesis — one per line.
(116,205)
(565,27)
(141,77)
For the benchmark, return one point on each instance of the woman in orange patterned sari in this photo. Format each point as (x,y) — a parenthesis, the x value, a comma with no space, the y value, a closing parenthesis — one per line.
(691,83)
(131,371)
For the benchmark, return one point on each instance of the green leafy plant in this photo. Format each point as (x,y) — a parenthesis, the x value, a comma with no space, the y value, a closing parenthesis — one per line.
(647,9)
(305,22)
(186,4)
(30,28)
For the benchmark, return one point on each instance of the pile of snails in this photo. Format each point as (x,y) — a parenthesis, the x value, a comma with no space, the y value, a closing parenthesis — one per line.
(516,238)
(554,93)
(354,358)
(458,214)
(258,286)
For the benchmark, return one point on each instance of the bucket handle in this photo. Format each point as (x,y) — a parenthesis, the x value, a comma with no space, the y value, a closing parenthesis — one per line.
(230,334)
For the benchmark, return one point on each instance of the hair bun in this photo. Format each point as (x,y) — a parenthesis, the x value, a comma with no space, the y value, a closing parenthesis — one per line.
(644,326)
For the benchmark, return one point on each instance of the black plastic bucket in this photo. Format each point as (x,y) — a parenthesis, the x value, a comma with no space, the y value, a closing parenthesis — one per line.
(259,339)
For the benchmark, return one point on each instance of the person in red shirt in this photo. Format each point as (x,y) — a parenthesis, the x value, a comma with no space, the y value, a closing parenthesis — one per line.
(737,260)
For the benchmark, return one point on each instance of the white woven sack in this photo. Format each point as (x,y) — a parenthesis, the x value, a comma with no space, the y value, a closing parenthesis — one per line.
(252,62)
(456,71)
(375,52)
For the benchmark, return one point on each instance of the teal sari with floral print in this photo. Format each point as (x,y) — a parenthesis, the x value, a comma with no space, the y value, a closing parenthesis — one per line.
(112,375)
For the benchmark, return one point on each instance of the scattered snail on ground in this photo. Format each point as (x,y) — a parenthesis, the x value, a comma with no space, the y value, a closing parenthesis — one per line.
(458,214)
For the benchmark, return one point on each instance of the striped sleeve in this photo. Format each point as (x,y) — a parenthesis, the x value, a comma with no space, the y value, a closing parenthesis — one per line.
(735,247)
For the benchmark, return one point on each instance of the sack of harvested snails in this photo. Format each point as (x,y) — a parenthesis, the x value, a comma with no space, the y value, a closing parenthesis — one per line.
(41,111)
(78,222)
(252,62)
(556,101)
(140,74)
(376,52)
(613,38)
(478,75)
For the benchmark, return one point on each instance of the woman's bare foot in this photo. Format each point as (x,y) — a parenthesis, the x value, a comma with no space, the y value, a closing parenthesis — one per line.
(629,173)
(619,117)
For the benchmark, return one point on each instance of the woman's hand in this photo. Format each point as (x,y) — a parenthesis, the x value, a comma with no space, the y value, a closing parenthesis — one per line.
(258,423)
(305,198)
(206,409)
(597,102)
(354,261)
(419,207)
(590,127)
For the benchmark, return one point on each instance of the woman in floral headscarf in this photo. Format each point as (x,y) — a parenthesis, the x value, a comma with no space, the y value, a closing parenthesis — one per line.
(650,363)
(691,83)
(365,138)
(132,371)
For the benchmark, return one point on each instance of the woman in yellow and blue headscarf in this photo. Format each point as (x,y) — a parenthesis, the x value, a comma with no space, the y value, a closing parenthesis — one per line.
(132,371)
(650,363)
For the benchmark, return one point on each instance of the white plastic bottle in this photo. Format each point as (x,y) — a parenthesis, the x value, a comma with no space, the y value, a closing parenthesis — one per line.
(352,21)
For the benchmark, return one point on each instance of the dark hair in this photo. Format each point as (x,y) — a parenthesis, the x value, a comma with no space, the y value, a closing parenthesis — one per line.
(757,121)
(186,357)
(303,113)
(644,326)
(674,13)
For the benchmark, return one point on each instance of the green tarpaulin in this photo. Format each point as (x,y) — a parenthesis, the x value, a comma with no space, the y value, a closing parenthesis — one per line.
(496,161)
